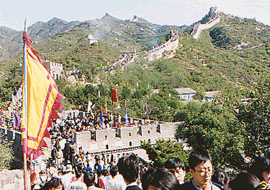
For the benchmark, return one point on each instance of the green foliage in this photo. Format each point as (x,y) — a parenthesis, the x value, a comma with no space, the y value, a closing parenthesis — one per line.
(211,127)
(200,64)
(160,152)
(6,156)
(222,38)
(255,116)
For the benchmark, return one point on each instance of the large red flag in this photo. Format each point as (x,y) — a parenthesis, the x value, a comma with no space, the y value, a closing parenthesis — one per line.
(43,99)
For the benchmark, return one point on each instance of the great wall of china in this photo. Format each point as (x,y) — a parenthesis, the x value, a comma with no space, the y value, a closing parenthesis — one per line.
(95,141)
(198,28)
(170,45)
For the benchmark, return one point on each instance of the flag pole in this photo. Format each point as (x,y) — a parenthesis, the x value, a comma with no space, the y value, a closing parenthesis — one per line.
(24,141)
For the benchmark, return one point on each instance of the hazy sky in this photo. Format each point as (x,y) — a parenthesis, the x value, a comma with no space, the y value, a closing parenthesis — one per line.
(171,12)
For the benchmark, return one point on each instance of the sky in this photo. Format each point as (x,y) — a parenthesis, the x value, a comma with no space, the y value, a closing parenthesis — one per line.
(164,12)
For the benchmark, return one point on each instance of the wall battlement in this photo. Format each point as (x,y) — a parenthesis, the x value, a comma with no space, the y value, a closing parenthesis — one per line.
(112,139)
(107,139)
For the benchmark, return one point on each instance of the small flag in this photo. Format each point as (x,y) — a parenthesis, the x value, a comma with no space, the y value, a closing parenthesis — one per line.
(16,121)
(101,119)
(146,112)
(126,116)
(106,109)
(114,95)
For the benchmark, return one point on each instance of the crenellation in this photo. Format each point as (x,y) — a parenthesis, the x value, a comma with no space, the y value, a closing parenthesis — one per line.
(107,139)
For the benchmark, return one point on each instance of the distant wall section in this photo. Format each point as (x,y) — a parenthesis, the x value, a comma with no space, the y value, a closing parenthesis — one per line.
(198,28)
(170,45)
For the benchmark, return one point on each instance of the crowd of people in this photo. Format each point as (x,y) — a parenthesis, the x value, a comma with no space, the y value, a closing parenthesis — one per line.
(130,172)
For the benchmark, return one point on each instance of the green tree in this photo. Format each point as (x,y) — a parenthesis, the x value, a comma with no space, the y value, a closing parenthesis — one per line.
(256,118)
(126,93)
(211,127)
(160,152)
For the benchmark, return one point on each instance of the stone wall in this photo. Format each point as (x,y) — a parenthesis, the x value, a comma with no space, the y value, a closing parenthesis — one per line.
(198,28)
(170,45)
(11,180)
(110,139)
(107,139)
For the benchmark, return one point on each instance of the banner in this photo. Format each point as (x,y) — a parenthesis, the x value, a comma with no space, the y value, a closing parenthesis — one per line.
(42,98)
(114,95)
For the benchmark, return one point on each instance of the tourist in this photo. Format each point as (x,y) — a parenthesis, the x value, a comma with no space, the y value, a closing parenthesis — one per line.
(78,184)
(159,179)
(177,167)
(89,180)
(200,163)
(66,178)
(105,176)
(257,177)
(220,178)
(55,184)
(129,168)
(115,182)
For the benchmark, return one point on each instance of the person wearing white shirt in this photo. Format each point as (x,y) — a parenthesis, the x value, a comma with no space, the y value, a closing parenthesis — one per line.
(116,182)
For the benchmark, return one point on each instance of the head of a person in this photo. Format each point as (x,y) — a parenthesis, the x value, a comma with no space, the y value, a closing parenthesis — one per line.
(220,177)
(55,184)
(129,168)
(200,163)
(261,169)
(80,149)
(177,167)
(113,171)
(89,178)
(105,172)
(160,179)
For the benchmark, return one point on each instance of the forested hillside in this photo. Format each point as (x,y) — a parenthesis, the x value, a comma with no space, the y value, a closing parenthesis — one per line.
(232,56)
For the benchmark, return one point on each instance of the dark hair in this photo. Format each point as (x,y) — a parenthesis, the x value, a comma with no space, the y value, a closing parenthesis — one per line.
(261,165)
(114,171)
(54,182)
(173,163)
(105,172)
(99,173)
(78,172)
(220,177)
(89,178)
(129,168)
(120,164)
(145,178)
(198,156)
(160,178)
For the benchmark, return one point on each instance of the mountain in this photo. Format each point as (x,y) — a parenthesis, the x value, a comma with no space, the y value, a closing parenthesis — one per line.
(232,54)
(108,27)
